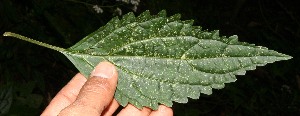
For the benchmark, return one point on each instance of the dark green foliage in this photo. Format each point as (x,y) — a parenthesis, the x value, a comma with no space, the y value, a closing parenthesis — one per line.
(163,59)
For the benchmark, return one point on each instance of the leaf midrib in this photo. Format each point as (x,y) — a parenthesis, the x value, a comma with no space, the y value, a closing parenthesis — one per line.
(153,57)
(126,70)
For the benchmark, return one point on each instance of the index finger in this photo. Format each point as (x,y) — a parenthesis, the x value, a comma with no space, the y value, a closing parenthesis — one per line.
(96,94)
(65,96)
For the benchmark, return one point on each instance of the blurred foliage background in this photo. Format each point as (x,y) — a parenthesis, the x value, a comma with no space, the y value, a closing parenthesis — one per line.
(31,75)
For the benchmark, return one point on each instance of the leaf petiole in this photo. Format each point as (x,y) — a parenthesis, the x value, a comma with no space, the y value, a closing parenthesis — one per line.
(33,41)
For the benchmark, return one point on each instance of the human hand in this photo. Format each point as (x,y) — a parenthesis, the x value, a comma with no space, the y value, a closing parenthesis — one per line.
(94,97)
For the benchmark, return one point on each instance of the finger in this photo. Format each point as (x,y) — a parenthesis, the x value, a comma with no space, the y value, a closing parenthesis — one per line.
(96,93)
(130,110)
(162,111)
(65,96)
(113,106)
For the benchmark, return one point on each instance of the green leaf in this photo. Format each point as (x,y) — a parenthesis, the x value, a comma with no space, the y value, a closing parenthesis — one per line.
(162,59)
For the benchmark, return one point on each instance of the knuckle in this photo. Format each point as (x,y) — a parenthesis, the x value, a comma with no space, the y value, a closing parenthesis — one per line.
(97,85)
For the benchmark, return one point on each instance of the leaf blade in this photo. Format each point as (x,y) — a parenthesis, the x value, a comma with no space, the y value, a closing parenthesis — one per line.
(162,59)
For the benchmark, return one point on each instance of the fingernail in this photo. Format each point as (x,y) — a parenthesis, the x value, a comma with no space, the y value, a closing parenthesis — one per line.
(103,70)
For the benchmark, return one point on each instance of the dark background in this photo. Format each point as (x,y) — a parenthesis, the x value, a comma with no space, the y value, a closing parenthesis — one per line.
(31,75)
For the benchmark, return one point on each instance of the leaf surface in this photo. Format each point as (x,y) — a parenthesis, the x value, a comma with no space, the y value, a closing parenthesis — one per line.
(162,59)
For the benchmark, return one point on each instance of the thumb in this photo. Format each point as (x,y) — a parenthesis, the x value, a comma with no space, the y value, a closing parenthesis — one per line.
(96,93)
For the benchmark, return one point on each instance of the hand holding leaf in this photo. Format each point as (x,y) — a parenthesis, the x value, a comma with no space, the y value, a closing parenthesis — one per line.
(162,59)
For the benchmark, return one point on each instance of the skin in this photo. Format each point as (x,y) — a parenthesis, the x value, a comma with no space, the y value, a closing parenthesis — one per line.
(94,97)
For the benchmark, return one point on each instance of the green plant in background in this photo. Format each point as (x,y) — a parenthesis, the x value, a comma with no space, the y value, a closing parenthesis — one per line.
(6,98)
(162,59)
(115,8)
